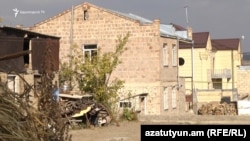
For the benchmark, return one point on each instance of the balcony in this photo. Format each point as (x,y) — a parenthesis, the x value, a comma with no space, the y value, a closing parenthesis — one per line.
(221,73)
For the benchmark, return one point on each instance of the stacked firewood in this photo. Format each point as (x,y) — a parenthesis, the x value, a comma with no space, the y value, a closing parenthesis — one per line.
(218,109)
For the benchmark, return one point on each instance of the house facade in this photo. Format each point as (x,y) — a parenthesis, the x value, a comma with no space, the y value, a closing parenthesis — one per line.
(149,65)
(213,73)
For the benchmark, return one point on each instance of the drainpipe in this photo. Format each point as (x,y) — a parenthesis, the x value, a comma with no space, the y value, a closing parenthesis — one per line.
(232,63)
(178,81)
(192,83)
(192,59)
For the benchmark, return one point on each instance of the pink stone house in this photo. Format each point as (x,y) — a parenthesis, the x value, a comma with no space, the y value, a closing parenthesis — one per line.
(149,66)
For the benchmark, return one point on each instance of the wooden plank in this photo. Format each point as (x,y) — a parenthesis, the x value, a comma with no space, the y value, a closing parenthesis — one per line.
(14,55)
(74,96)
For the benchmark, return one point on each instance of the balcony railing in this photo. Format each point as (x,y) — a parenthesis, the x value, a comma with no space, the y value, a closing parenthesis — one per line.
(221,73)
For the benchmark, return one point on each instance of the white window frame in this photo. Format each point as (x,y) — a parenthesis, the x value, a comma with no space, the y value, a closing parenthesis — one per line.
(173,98)
(174,55)
(165,98)
(165,55)
(89,51)
(13,83)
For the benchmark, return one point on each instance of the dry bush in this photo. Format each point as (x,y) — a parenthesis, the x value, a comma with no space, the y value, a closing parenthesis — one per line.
(22,121)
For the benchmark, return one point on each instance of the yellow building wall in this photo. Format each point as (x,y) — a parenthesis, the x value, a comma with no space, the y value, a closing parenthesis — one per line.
(201,63)
(223,60)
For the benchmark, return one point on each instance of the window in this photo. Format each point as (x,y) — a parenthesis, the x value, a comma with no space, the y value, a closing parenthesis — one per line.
(165,54)
(13,83)
(165,98)
(174,55)
(125,104)
(181,61)
(217,83)
(90,51)
(174,98)
(85,15)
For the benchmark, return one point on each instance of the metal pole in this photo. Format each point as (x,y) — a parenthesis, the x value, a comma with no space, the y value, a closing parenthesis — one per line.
(232,59)
(71,34)
(192,59)
(193,94)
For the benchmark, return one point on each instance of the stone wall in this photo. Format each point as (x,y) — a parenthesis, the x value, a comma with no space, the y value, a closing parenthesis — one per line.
(243,83)
(141,62)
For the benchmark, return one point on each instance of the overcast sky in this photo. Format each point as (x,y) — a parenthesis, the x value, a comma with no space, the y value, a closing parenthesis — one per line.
(222,18)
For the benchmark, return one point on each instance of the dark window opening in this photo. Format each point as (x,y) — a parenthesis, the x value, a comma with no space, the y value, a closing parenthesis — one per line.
(217,83)
(125,104)
(25,48)
(85,15)
(181,61)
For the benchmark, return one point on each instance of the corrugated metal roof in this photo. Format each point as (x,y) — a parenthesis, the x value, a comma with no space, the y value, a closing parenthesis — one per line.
(165,29)
(244,67)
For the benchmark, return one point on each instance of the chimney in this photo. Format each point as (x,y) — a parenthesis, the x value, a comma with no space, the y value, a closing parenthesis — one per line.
(189,32)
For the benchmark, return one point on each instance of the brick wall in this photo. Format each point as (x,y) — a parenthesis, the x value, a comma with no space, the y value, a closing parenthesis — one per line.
(243,83)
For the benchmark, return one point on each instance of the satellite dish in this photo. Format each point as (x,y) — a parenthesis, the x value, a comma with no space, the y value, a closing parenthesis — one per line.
(242,37)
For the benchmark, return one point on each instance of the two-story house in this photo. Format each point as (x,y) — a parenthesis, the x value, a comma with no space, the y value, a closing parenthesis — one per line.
(227,56)
(213,70)
(150,63)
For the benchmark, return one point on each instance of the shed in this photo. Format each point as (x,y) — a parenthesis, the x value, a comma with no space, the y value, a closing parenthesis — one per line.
(22,50)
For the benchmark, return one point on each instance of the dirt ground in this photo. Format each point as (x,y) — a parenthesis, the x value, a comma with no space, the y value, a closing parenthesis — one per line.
(127,131)
(130,131)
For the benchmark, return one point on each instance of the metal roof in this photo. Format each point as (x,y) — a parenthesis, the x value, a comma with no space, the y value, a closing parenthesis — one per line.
(166,30)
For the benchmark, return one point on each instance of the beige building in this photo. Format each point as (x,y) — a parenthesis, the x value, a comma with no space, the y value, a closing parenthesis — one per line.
(149,66)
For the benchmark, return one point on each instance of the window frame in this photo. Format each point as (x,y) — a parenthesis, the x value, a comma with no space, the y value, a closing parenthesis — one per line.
(165,98)
(174,55)
(87,48)
(174,98)
(165,55)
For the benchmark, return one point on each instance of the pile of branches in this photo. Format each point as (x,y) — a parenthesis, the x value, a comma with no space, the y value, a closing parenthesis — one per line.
(22,121)
(218,109)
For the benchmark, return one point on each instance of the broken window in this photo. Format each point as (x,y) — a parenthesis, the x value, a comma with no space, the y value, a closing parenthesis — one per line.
(26,45)
(85,15)
(13,83)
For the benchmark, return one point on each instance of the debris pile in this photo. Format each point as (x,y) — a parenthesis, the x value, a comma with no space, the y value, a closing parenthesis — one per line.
(218,109)
(85,111)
